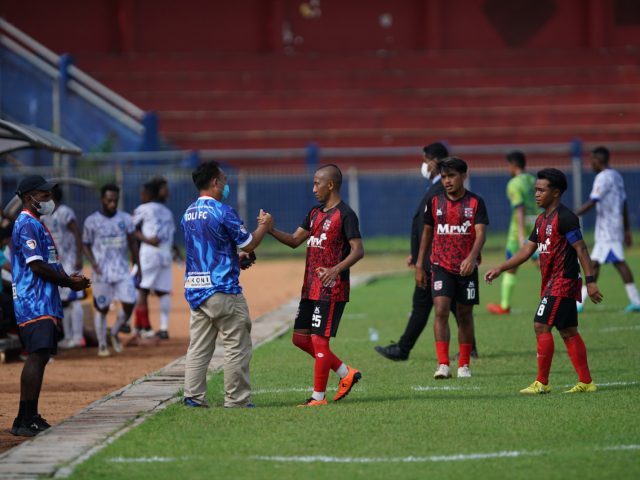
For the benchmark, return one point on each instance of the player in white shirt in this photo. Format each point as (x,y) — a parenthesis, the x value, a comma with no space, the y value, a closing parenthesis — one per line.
(64,229)
(612,224)
(108,238)
(155,228)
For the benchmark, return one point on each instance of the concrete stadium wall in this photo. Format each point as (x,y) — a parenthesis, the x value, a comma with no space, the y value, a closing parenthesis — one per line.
(253,26)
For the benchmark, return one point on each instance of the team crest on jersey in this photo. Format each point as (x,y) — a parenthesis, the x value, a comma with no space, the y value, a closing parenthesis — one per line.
(121,225)
(326,225)
(437,285)
(468,212)
(549,230)
(31,244)
(439,212)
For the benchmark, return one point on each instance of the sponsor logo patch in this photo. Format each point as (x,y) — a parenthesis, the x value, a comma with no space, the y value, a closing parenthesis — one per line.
(437,285)
(202,280)
(31,244)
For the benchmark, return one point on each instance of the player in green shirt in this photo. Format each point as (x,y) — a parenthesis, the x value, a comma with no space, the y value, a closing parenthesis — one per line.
(521,195)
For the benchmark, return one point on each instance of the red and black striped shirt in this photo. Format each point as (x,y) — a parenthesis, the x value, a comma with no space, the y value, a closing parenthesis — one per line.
(454,232)
(555,233)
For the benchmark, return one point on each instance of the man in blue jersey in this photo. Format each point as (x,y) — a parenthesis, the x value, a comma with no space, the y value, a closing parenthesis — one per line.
(37,274)
(213,234)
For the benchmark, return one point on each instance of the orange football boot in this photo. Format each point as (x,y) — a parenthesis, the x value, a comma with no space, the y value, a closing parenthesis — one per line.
(347,383)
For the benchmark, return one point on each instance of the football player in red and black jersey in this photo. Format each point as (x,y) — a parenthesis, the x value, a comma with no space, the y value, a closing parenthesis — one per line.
(558,239)
(334,245)
(455,223)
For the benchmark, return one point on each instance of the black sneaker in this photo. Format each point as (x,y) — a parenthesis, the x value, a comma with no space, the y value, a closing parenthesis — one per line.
(31,428)
(42,422)
(163,335)
(125,328)
(16,423)
(392,352)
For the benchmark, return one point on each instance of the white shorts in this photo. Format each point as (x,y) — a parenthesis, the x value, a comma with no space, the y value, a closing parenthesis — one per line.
(157,278)
(68,295)
(104,293)
(607,252)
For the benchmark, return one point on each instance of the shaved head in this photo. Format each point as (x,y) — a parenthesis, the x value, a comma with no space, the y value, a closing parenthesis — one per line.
(332,173)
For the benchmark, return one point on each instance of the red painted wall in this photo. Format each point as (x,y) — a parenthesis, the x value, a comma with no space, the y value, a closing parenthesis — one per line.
(252,26)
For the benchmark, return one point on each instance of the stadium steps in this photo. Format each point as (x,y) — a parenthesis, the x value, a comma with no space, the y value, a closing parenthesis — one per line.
(262,101)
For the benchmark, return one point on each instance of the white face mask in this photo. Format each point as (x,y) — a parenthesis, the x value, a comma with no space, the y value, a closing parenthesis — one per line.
(424,170)
(46,208)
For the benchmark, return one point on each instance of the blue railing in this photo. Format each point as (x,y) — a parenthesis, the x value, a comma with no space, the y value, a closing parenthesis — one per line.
(38,87)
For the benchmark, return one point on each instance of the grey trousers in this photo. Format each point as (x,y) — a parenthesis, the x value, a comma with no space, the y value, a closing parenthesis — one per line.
(227,315)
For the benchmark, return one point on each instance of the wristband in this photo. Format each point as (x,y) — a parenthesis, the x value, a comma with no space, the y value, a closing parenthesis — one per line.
(589,279)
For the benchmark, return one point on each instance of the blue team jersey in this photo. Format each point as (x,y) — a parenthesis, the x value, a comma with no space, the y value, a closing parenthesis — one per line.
(213,232)
(33,297)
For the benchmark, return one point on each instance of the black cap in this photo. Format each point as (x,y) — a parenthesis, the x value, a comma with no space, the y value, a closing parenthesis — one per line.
(33,182)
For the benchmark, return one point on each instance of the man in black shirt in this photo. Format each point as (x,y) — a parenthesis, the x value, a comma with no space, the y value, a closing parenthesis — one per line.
(422,301)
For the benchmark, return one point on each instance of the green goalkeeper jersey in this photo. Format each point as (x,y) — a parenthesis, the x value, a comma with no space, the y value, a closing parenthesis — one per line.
(521,192)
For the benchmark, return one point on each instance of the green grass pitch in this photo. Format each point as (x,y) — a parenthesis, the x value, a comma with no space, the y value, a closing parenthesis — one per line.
(399,422)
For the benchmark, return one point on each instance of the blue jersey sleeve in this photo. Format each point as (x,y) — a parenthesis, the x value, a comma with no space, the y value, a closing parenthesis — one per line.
(30,243)
(236,229)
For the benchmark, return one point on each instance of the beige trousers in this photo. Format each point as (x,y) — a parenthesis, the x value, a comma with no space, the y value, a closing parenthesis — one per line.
(227,315)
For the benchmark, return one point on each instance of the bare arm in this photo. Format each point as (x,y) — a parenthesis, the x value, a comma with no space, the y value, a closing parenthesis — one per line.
(522,236)
(265,223)
(518,259)
(44,271)
(586,206)
(292,240)
(86,248)
(425,242)
(77,236)
(133,249)
(585,261)
(153,241)
(469,264)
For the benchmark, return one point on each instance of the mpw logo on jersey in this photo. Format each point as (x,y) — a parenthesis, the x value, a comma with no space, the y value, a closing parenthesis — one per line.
(544,247)
(316,242)
(446,229)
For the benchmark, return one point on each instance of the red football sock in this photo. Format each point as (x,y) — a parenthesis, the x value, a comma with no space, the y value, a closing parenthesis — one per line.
(142,317)
(304,343)
(578,355)
(545,356)
(325,361)
(465,354)
(442,350)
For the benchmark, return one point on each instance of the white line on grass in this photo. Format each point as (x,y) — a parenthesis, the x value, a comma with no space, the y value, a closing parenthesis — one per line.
(609,384)
(618,329)
(432,458)
(143,459)
(420,388)
(623,447)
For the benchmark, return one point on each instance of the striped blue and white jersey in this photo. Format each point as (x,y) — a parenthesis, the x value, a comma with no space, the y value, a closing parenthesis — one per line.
(213,232)
(107,238)
(33,297)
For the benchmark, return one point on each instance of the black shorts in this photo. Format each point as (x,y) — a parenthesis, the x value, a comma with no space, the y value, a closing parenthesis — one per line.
(559,312)
(39,335)
(463,290)
(322,318)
